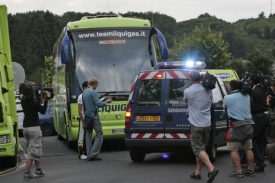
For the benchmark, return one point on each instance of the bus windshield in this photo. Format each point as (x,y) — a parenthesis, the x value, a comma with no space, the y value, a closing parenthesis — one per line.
(115,57)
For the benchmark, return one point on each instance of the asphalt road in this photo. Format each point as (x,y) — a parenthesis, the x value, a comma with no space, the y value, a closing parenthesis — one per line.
(63,166)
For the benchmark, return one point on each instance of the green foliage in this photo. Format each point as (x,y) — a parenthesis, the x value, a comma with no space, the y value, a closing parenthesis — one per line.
(239,66)
(267,34)
(36,76)
(48,70)
(203,44)
(33,34)
(259,63)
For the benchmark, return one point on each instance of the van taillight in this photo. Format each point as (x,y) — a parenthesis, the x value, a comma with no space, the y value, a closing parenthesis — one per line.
(128,116)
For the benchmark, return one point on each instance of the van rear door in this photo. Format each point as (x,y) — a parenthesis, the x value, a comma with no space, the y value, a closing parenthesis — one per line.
(147,106)
(177,125)
(219,116)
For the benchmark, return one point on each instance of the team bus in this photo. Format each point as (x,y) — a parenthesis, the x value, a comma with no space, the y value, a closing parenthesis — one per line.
(111,48)
(9,139)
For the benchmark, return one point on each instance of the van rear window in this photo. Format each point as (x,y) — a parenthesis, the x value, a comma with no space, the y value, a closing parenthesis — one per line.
(176,89)
(149,93)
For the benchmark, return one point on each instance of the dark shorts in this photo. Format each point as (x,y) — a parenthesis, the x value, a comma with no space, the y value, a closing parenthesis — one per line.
(199,138)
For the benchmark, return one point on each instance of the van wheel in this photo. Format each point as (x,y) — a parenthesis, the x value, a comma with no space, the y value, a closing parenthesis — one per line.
(136,155)
(47,129)
(211,150)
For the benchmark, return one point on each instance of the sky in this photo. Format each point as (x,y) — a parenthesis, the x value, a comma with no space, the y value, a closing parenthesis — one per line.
(228,10)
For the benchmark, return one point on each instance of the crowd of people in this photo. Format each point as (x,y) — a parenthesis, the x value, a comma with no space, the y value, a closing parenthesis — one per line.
(251,125)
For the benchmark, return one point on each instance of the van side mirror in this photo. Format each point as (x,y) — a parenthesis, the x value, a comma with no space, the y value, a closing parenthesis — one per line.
(65,49)
(162,44)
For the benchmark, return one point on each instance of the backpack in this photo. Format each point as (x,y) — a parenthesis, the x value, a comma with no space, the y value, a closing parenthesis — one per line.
(270,152)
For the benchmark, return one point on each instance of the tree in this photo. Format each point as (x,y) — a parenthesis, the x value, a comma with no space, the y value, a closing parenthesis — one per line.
(239,66)
(259,62)
(261,15)
(203,44)
(267,34)
(273,34)
(48,70)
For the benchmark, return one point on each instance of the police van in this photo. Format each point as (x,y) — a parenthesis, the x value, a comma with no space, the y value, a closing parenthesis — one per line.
(156,118)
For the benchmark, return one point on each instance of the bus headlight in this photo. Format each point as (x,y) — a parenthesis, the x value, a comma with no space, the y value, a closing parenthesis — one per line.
(5,139)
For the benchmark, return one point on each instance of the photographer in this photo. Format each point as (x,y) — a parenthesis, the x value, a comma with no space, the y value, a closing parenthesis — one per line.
(199,103)
(270,132)
(261,120)
(31,105)
(238,108)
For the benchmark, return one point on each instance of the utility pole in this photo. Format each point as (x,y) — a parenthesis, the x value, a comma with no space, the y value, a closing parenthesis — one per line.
(271,8)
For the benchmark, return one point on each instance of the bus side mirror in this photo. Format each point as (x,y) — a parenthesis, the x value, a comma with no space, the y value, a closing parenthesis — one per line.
(65,49)
(162,44)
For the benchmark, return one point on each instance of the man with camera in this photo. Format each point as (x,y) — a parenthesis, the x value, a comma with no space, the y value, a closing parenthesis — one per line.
(261,120)
(240,125)
(31,105)
(199,102)
(270,133)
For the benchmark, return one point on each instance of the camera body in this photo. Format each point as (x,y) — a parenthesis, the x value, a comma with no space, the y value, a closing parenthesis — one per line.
(208,81)
(265,82)
(32,90)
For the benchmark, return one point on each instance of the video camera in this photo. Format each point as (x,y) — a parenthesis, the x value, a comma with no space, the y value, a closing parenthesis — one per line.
(31,90)
(265,82)
(245,85)
(208,81)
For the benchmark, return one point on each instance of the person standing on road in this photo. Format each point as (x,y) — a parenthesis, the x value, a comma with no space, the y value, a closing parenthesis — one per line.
(270,132)
(90,103)
(199,102)
(81,131)
(31,105)
(238,108)
(261,120)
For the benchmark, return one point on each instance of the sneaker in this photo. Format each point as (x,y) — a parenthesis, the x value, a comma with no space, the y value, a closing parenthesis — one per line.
(40,173)
(212,175)
(94,158)
(248,172)
(82,156)
(29,175)
(259,168)
(194,176)
(236,174)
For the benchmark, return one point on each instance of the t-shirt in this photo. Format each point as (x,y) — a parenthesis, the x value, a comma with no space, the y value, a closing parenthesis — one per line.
(91,101)
(79,101)
(237,105)
(199,103)
(31,109)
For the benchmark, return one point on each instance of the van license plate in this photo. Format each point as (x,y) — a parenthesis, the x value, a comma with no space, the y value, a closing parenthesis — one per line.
(147,118)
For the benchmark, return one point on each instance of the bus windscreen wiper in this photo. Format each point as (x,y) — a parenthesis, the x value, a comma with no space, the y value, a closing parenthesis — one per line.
(114,93)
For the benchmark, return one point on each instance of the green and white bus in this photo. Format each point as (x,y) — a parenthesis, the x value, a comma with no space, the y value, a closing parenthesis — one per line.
(111,48)
(9,139)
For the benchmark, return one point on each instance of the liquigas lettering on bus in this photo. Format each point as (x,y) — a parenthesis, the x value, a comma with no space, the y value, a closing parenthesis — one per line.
(111,35)
(109,108)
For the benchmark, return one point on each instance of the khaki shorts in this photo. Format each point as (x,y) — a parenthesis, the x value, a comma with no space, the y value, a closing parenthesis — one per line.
(33,136)
(199,138)
(235,146)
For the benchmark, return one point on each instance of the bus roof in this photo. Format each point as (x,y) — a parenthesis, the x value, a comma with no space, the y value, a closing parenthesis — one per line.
(107,21)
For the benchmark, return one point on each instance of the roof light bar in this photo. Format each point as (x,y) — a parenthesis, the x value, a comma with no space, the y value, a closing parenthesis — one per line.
(181,65)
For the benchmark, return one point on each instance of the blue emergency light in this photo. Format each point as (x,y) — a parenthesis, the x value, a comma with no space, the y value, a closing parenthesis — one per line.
(181,65)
